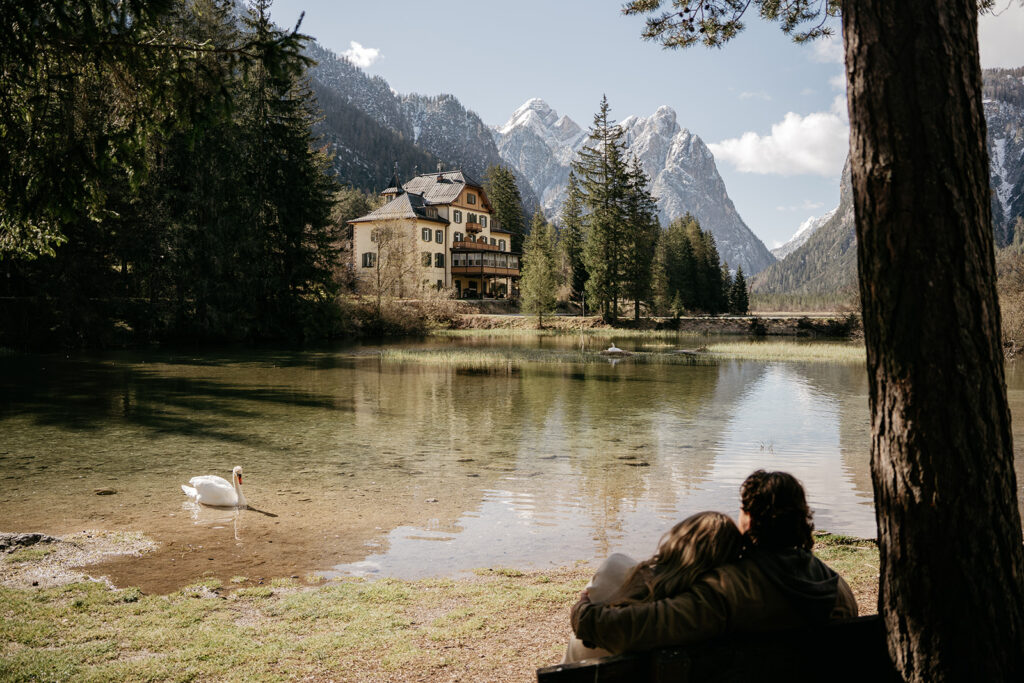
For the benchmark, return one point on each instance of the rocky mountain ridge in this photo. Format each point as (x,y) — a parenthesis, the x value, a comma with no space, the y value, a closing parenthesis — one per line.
(370,127)
(824,262)
(542,145)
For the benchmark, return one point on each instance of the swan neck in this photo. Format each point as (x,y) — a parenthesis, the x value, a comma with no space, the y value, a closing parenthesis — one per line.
(238,491)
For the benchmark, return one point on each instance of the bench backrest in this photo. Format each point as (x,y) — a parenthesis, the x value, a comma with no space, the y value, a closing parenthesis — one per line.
(849,650)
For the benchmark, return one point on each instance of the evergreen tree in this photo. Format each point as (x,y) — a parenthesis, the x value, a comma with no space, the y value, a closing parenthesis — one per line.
(739,302)
(602,172)
(725,297)
(572,238)
(539,284)
(503,193)
(291,239)
(640,235)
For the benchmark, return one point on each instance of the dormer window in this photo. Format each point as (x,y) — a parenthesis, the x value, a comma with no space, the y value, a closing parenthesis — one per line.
(470,198)
(431,211)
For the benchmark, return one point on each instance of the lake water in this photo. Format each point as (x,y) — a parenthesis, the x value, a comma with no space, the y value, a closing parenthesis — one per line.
(355,465)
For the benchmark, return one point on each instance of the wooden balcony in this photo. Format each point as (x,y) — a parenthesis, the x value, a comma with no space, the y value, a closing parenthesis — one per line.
(473,226)
(482,271)
(481,245)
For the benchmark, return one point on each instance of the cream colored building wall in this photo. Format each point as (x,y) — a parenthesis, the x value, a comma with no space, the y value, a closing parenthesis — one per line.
(361,244)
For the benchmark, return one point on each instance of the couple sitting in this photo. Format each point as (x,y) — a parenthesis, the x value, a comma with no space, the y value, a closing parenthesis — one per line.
(710,577)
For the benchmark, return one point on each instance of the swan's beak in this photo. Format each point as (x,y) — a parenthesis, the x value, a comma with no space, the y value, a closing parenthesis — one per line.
(239,478)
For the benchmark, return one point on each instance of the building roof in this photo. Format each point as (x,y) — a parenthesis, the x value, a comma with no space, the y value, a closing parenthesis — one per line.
(424,190)
(403,206)
(440,188)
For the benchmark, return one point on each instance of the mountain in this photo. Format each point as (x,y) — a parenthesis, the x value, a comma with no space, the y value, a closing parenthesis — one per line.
(1004,112)
(806,229)
(826,261)
(542,145)
(370,127)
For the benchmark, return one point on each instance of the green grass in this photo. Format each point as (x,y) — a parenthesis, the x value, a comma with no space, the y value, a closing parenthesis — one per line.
(817,351)
(499,624)
(598,332)
(28,554)
(712,353)
(495,358)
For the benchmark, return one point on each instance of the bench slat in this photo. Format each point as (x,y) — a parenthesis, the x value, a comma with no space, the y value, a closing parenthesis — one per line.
(849,650)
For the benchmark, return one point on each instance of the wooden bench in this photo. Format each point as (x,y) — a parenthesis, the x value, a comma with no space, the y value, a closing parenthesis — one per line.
(850,650)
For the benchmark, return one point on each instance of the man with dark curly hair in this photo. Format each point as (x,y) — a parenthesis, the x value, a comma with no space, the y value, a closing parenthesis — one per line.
(776,584)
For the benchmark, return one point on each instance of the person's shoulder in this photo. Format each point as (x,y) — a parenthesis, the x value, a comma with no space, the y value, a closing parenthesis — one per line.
(741,571)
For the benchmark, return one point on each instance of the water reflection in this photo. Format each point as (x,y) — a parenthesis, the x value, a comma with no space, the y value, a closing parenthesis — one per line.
(358,466)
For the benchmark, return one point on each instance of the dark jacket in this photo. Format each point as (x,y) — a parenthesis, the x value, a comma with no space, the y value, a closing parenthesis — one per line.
(761,592)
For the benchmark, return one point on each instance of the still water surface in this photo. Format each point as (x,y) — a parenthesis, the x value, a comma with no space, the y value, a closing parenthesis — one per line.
(354,465)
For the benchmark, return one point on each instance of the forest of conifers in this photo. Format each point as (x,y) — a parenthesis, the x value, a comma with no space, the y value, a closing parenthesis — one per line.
(158,178)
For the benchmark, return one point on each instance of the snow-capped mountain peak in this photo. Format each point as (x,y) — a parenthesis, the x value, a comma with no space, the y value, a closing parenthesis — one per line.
(681,168)
(802,234)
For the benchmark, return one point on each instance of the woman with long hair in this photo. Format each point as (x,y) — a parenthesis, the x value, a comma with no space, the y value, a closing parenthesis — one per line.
(692,547)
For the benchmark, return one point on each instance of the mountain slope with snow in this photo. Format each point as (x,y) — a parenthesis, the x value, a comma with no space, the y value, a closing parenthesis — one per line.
(542,145)
(825,263)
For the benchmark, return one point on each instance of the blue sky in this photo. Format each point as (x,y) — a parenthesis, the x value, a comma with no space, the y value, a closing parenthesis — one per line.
(772,112)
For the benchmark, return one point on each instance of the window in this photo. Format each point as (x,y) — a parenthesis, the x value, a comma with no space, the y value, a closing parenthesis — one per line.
(369,259)
(474,260)
(440,284)
(439,236)
(431,211)
(426,234)
(458,260)
(513,262)
(471,218)
(483,221)
(457,216)
(457,237)
(501,245)
(470,198)
(374,234)
(494,242)
(439,260)
(472,238)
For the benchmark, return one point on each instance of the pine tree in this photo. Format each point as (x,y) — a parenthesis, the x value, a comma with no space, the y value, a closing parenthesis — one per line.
(539,283)
(603,177)
(572,238)
(290,247)
(639,237)
(739,302)
(503,193)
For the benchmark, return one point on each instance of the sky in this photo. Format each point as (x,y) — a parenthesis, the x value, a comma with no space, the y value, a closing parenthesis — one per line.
(772,112)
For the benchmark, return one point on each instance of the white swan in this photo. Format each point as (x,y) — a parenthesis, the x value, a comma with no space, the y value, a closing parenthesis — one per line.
(613,349)
(210,489)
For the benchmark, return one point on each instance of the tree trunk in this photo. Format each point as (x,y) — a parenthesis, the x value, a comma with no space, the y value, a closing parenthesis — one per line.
(952,561)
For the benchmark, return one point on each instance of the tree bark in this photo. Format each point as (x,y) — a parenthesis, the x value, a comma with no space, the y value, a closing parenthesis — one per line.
(952,562)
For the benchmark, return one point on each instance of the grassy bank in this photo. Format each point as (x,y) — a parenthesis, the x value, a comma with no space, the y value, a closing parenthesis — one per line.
(498,625)
(686,351)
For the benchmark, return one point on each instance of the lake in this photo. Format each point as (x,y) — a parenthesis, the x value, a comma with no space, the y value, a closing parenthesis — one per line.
(357,465)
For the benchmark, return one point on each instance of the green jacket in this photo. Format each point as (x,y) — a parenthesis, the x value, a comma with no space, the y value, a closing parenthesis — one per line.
(764,592)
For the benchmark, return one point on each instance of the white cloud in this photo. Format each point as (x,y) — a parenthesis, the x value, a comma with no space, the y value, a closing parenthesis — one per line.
(805,205)
(999,35)
(361,56)
(828,49)
(814,144)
